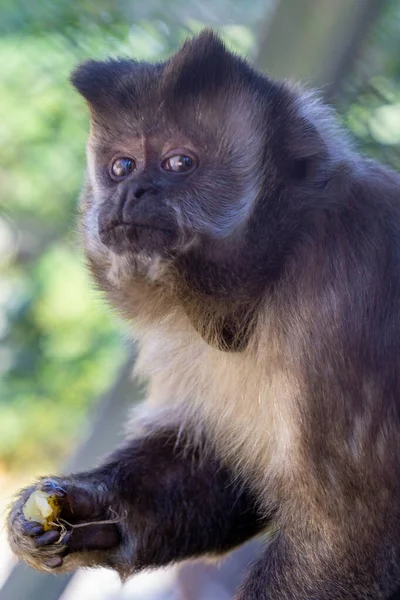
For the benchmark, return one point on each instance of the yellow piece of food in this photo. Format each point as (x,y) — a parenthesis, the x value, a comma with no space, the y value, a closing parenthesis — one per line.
(42,508)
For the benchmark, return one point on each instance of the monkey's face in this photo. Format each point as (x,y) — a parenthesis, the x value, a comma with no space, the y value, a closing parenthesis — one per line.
(159,193)
(174,157)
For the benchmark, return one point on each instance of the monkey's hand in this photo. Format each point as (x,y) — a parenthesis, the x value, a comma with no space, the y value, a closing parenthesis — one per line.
(149,505)
(83,531)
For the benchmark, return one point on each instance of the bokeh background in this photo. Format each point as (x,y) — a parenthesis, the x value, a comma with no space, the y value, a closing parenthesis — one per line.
(60,346)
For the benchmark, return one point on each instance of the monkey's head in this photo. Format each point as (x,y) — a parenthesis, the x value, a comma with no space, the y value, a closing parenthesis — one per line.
(196,171)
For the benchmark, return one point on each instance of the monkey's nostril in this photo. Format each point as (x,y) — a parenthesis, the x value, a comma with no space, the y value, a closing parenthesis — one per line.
(138,190)
(138,193)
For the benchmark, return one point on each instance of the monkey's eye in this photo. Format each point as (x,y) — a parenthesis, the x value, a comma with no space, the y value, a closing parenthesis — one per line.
(178,164)
(122,167)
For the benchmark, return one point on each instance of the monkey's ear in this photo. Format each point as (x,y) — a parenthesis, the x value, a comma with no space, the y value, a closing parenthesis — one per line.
(103,83)
(306,150)
(305,139)
(202,64)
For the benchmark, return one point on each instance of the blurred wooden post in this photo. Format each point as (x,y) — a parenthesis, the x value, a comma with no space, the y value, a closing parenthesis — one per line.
(316,41)
(106,429)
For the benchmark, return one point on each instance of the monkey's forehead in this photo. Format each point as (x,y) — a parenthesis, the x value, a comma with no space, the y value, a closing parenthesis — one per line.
(202,81)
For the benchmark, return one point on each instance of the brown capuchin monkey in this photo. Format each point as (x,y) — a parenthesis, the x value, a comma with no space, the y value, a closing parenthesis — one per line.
(256,257)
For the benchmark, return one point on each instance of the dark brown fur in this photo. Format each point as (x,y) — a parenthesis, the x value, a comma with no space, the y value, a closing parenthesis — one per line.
(265,291)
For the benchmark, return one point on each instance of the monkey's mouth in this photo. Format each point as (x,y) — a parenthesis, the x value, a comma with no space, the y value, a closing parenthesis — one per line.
(135,236)
(135,225)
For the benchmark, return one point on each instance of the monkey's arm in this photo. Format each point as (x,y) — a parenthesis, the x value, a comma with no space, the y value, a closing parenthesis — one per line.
(170,501)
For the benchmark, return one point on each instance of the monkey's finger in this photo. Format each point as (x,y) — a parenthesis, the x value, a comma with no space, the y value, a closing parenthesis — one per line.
(53,488)
(78,501)
(47,538)
(31,528)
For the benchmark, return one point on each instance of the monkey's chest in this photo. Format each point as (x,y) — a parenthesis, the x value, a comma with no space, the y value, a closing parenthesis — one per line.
(247,411)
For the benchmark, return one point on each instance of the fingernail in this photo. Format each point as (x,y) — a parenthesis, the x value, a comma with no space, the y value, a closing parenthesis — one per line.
(54,562)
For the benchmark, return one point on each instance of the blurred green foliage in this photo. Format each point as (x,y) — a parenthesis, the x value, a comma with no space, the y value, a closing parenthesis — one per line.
(369,101)
(59,345)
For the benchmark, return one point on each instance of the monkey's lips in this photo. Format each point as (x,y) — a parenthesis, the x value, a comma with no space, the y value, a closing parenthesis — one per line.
(136,236)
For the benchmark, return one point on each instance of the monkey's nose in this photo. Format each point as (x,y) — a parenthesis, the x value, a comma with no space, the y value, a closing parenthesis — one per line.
(137,190)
